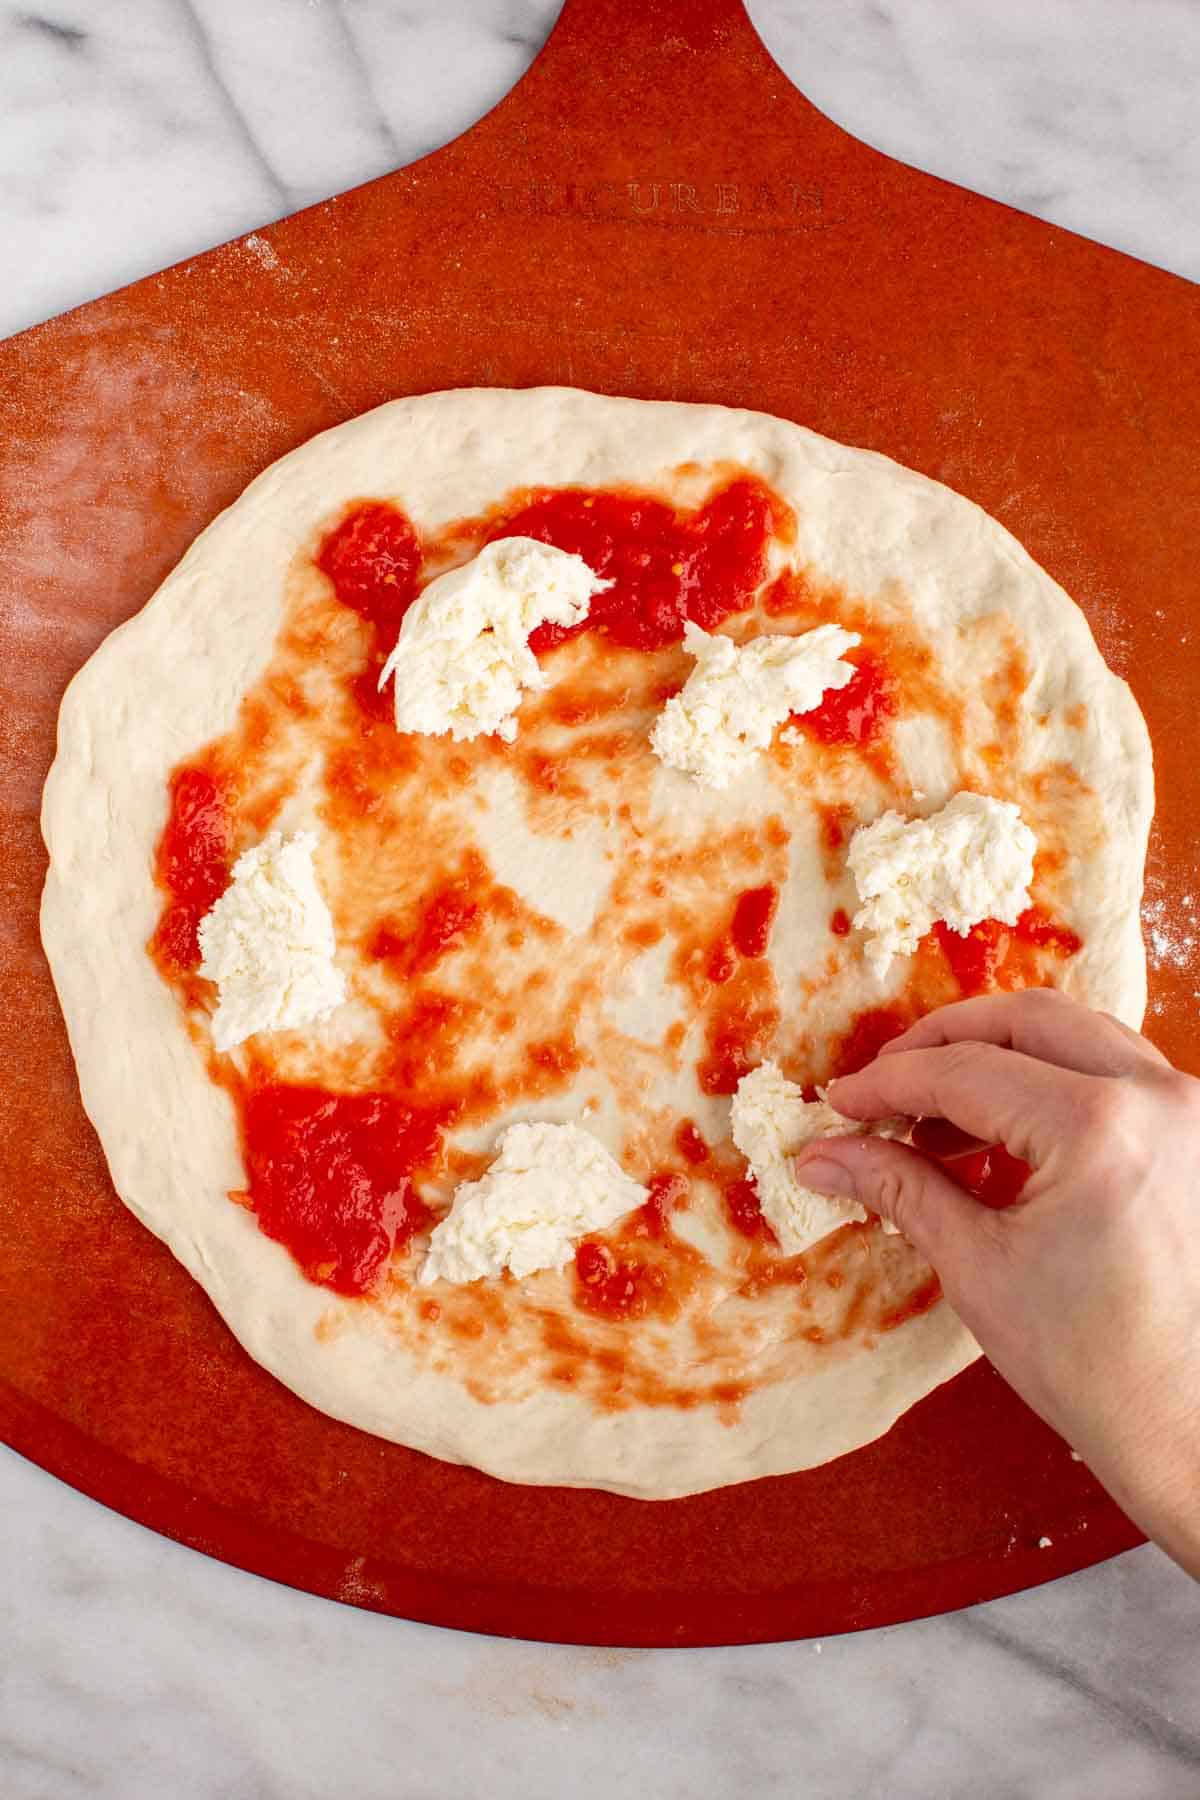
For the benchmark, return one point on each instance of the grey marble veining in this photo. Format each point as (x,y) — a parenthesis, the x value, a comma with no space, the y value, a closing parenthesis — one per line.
(1080,111)
(135,132)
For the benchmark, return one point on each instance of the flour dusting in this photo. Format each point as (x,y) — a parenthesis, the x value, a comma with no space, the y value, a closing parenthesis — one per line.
(260,250)
(1171,926)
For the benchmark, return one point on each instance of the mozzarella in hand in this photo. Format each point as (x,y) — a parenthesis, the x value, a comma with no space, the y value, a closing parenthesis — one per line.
(971,861)
(462,663)
(268,943)
(728,709)
(771,1121)
(549,1186)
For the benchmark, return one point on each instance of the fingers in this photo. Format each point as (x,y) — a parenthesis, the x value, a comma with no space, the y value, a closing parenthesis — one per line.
(1143,1044)
(946,1225)
(1039,1022)
(1000,1096)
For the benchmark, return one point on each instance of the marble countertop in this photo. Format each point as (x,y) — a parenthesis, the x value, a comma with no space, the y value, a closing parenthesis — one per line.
(134,133)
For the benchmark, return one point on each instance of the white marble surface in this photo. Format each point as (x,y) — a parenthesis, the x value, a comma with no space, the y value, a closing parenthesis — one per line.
(135,132)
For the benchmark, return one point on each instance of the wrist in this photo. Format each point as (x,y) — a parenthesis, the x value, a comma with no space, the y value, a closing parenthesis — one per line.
(1155,1478)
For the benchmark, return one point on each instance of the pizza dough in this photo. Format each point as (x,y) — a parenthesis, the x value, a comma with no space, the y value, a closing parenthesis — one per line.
(1067,743)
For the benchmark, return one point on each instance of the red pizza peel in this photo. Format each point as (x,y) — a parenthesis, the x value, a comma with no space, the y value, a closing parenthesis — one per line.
(655,210)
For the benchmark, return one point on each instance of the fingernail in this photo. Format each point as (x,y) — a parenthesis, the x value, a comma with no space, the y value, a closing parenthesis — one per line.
(825,1178)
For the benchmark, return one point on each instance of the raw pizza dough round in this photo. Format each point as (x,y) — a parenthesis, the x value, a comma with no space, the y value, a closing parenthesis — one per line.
(163,685)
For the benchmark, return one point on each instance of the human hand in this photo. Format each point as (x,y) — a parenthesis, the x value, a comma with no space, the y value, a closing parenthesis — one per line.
(1086,1293)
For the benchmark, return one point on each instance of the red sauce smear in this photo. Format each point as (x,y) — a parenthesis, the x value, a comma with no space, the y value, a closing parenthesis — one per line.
(668,1194)
(449,916)
(192,863)
(749,933)
(744,1212)
(753,917)
(690,1143)
(447,921)
(617,1286)
(866,1037)
(330,1177)
(978,959)
(425,1037)
(856,714)
(739,1038)
(667,566)
(722,962)
(941,1140)
(647,1269)
(375,701)
(839,924)
(373,558)
(837,822)
(741,1018)
(918,1302)
(975,958)
(1035,926)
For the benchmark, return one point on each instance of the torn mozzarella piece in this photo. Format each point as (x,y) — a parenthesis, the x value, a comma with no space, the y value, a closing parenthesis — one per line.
(268,943)
(549,1186)
(737,695)
(971,861)
(772,1121)
(462,662)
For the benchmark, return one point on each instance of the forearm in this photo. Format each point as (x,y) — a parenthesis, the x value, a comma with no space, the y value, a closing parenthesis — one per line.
(1139,1436)
(1158,1486)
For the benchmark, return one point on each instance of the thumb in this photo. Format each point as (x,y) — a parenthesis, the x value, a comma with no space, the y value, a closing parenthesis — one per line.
(933,1212)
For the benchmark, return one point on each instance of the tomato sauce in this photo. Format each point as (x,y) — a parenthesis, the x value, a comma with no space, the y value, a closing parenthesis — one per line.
(331,1177)
(753,916)
(619,1284)
(925,1295)
(858,713)
(426,1034)
(749,933)
(1035,926)
(744,1213)
(192,865)
(374,702)
(666,565)
(992,955)
(993,1175)
(641,1267)
(836,825)
(690,1143)
(988,1171)
(373,558)
(452,913)
(867,1035)
(975,957)
(722,962)
(739,1037)
(668,1194)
